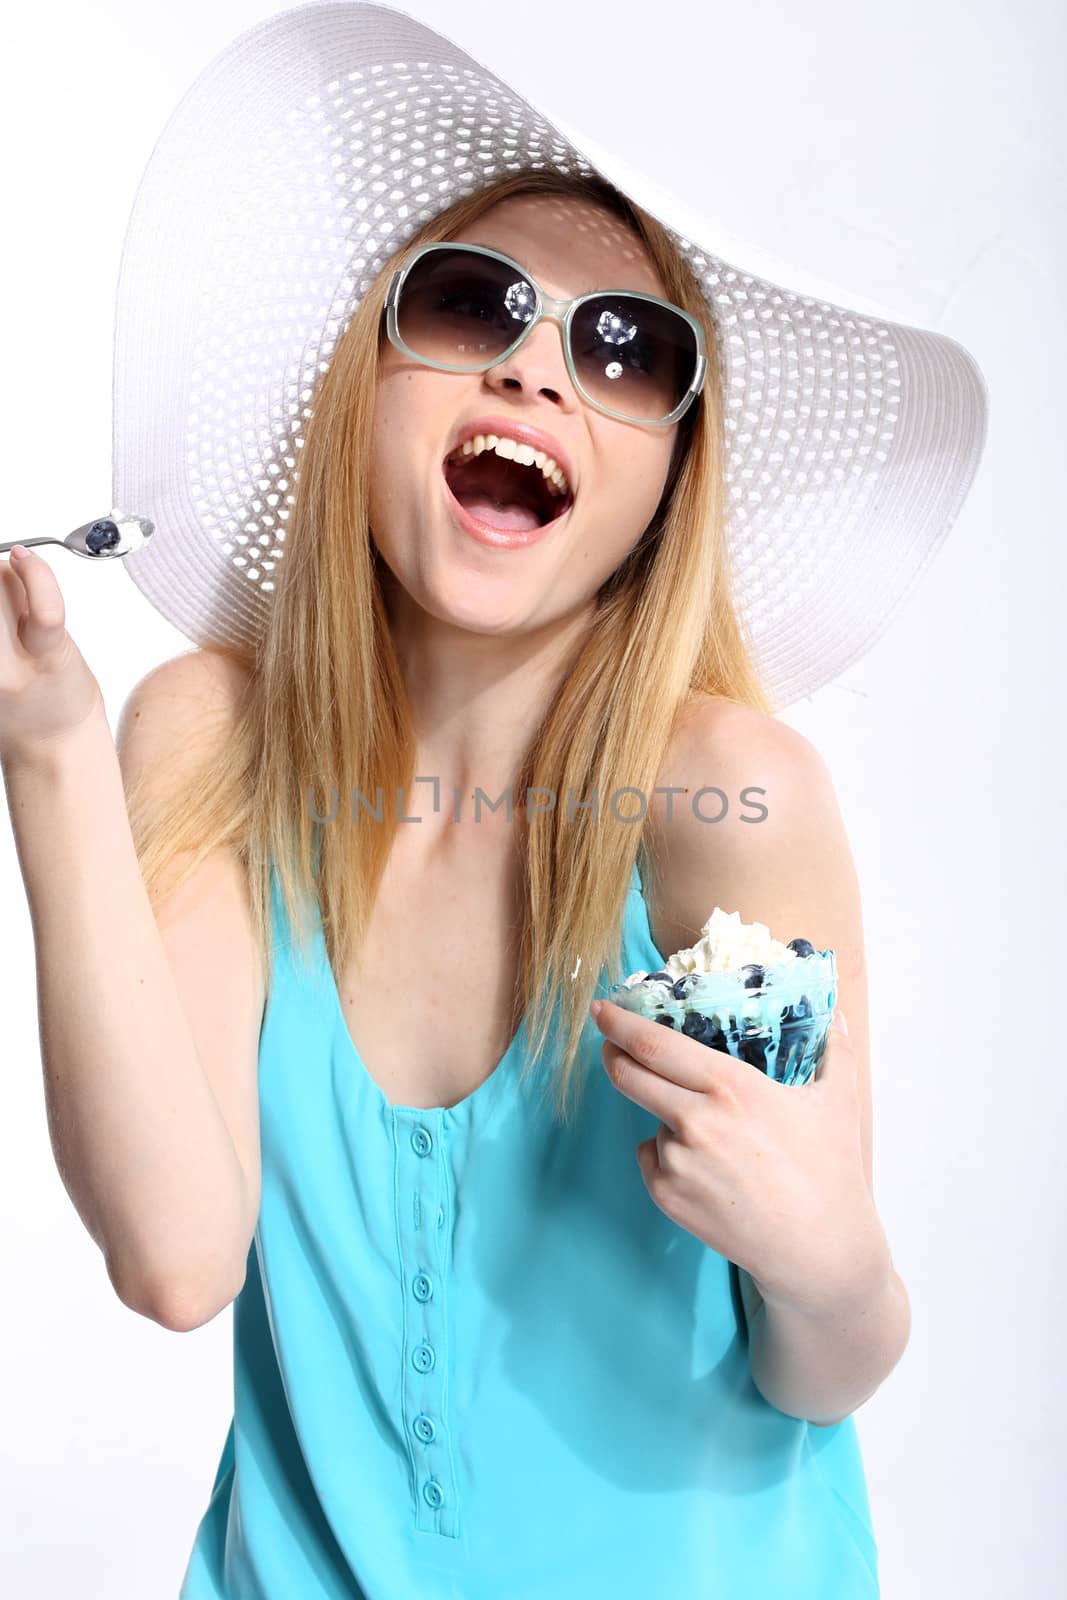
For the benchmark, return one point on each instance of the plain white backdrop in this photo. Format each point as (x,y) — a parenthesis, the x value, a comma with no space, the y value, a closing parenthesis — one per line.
(913,156)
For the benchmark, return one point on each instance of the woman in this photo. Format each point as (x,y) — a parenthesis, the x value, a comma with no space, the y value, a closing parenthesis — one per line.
(489,1339)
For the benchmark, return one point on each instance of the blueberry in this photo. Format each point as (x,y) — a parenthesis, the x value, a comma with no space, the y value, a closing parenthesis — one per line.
(668,1022)
(101,536)
(803,947)
(801,1012)
(695,1024)
(684,986)
(659,977)
(713,1035)
(753,975)
(752,1048)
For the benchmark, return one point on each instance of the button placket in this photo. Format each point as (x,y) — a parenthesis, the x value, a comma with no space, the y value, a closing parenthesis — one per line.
(421,1197)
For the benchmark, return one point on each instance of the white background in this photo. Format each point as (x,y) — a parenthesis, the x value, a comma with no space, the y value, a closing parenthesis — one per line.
(911,154)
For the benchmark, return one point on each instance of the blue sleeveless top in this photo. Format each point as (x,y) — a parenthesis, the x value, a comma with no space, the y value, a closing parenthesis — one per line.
(473,1360)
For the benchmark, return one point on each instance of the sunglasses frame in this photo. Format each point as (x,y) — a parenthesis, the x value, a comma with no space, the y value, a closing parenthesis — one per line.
(547,309)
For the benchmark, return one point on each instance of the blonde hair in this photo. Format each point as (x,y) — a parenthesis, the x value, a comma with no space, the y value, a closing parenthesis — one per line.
(325,692)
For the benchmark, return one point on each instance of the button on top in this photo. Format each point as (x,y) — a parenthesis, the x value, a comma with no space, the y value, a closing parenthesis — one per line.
(423,1358)
(421,1142)
(421,1286)
(433,1493)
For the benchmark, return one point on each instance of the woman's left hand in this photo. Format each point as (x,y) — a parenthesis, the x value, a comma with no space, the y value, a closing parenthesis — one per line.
(769,1175)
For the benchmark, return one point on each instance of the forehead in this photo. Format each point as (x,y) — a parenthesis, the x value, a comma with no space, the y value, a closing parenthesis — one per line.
(568,244)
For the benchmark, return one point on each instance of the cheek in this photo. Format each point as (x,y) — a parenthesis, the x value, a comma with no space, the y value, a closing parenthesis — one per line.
(413,408)
(392,454)
(648,483)
(384,476)
(627,495)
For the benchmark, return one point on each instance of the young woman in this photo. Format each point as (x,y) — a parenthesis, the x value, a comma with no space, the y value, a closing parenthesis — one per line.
(526,1303)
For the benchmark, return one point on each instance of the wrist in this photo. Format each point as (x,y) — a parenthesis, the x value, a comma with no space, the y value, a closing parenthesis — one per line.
(57,754)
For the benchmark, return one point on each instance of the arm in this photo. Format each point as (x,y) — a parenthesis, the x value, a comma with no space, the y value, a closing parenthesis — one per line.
(141,1144)
(794,872)
(823,1366)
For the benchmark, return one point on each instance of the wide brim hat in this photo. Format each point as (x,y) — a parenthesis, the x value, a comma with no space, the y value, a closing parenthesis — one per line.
(320,140)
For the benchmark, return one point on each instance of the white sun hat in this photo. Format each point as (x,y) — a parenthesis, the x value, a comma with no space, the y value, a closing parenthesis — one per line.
(319,141)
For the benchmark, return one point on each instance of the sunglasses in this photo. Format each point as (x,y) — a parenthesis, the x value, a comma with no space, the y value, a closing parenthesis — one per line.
(463,308)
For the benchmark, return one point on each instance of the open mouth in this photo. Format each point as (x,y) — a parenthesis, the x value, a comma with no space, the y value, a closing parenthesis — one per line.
(506,494)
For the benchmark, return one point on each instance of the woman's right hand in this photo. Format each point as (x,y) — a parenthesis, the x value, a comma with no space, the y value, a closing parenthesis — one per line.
(46,687)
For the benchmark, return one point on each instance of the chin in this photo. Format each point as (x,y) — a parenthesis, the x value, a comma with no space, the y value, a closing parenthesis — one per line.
(458,597)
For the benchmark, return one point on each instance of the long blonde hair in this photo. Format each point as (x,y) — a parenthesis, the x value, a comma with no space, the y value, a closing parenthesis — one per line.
(325,695)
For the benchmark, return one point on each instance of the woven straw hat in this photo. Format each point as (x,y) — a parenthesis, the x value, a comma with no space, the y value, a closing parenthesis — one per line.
(319,141)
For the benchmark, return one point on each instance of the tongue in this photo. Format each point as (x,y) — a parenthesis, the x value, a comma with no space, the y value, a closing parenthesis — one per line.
(486,510)
(500,492)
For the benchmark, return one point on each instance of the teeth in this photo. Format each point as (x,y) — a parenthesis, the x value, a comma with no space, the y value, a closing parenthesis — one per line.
(523,453)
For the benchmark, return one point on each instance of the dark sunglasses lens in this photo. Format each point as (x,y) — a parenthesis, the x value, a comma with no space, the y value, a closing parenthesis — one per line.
(462,309)
(633,356)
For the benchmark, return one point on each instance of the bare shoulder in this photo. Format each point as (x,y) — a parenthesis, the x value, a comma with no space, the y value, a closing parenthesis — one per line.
(739,792)
(195,694)
(173,718)
(777,786)
(739,741)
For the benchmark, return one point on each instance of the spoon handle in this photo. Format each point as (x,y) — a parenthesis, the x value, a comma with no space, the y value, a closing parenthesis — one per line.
(43,539)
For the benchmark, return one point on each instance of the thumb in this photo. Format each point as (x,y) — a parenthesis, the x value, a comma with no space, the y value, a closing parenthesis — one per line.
(41,624)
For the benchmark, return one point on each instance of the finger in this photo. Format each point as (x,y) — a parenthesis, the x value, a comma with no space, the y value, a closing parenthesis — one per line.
(660,1049)
(668,1101)
(648,1158)
(41,621)
(12,600)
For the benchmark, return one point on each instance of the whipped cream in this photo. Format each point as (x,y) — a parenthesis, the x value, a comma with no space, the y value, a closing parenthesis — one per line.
(725,944)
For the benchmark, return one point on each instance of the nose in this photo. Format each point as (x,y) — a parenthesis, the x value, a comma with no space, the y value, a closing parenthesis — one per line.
(538,366)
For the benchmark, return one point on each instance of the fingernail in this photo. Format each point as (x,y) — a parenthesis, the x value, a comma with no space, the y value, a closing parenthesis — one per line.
(19,550)
(595,1009)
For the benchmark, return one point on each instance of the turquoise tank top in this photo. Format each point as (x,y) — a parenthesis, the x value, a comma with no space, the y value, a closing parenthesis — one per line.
(473,1360)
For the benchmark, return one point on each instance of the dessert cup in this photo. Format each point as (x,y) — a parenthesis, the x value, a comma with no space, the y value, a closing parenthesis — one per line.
(774,1015)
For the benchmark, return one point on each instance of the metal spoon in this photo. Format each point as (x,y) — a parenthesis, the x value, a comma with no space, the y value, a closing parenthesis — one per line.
(113,535)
